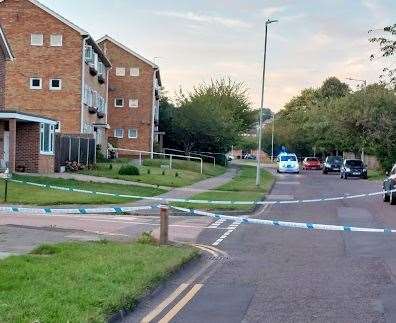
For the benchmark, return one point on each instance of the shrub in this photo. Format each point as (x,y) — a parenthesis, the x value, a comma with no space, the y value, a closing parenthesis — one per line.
(147,238)
(163,172)
(110,166)
(129,170)
(177,174)
(148,171)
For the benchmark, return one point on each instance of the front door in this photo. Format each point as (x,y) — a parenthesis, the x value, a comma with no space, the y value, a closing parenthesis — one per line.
(6,148)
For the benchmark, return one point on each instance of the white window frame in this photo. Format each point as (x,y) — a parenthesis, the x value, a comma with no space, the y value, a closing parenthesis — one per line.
(96,61)
(56,40)
(88,50)
(134,103)
(51,139)
(55,88)
(129,133)
(119,106)
(120,71)
(120,136)
(38,43)
(36,87)
(134,71)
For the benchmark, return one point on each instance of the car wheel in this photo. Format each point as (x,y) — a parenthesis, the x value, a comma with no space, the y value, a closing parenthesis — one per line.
(392,197)
(341,176)
(325,172)
(345,176)
(385,196)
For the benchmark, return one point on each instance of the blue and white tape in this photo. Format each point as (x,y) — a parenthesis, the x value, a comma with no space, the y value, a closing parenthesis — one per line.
(49,211)
(275,223)
(192,201)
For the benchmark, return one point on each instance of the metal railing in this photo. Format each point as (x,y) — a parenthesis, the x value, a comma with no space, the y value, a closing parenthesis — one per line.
(194,153)
(142,153)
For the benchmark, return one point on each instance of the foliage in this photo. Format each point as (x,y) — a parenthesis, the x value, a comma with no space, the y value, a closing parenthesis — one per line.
(129,170)
(210,118)
(100,157)
(331,119)
(387,44)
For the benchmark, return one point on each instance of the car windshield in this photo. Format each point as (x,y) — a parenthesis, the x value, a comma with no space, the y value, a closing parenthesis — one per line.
(288,158)
(311,159)
(333,159)
(354,163)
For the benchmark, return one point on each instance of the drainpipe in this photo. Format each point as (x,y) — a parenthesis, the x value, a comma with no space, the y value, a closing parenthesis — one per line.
(153,116)
(82,83)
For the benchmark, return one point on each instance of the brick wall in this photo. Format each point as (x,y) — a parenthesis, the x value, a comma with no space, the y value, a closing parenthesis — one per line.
(20,18)
(28,149)
(129,87)
(2,78)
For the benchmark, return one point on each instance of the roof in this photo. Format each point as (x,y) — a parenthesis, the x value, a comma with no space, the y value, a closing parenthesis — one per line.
(22,116)
(5,46)
(130,51)
(59,17)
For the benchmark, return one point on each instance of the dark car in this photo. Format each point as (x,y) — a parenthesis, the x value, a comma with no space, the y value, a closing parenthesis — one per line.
(389,185)
(353,168)
(332,164)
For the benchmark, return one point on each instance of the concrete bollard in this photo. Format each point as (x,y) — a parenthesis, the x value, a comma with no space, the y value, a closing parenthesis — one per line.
(164,225)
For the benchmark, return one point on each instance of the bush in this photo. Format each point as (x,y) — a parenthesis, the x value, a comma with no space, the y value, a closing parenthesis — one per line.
(147,238)
(110,166)
(163,172)
(177,174)
(100,157)
(129,170)
(148,171)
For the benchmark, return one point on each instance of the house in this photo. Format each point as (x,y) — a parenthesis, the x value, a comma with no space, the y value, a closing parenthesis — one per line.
(134,93)
(53,79)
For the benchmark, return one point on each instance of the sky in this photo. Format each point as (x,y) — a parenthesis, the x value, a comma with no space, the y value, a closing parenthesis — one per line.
(194,41)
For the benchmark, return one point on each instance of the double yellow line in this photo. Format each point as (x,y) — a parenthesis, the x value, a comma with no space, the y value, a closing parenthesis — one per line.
(179,290)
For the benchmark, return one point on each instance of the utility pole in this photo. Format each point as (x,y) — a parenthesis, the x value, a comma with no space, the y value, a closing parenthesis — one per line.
(258,174)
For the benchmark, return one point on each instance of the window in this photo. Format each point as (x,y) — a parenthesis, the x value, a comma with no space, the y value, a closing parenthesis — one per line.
(36,83)
(55,84)
(36,39)
(133,103)
(120,71)
(135,71)
(132,133)
(96,61)
(56,40)
(119,133)
(47,133)
(89,54)
(101,69)
(119,103)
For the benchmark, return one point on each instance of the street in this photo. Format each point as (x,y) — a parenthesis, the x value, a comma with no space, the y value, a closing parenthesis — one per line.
(292,275)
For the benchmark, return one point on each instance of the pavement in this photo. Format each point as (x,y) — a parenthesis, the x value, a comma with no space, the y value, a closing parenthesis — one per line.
(272,274)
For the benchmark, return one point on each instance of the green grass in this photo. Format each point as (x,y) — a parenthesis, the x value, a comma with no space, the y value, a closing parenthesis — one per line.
(376,175)
(83,282)
(26,194)
(240,188)
(187,173)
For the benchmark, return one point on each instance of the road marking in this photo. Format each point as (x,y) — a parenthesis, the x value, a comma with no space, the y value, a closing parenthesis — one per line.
(216,224)
(230,230)
(212,252)
(183,302)
(165,303)
(287,183)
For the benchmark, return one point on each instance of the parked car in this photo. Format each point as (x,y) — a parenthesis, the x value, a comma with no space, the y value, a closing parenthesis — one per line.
(332,164)
(311,163)
(288,163)
(353,168)
(249,156)
(389,185)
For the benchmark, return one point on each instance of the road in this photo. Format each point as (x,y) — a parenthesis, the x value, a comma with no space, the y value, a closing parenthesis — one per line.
(273,274)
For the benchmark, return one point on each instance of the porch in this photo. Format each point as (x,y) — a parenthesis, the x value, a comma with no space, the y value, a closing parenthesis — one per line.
(26,142)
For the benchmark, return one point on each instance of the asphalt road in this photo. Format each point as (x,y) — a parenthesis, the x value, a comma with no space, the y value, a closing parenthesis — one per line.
(276,274)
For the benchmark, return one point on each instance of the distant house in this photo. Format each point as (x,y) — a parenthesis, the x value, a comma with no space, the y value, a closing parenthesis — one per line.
(134,93)
(53,78)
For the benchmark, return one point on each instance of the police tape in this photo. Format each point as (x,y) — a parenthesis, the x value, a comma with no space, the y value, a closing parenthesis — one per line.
(49,211)
(275,223)
(215,202)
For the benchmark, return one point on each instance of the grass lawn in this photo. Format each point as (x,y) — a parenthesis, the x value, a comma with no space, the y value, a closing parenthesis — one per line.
(83,282)
(184,173)
(376,175)
(26,194)
(240,188)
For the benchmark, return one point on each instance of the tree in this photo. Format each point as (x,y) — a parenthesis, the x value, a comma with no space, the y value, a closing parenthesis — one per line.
(387,44)
(210,118)
(334,88)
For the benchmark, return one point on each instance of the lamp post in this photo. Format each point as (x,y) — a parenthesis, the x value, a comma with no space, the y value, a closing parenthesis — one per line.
(364,82)
(258,174)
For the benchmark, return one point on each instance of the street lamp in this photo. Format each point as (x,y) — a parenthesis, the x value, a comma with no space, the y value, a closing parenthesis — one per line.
(258,175)
(364,82)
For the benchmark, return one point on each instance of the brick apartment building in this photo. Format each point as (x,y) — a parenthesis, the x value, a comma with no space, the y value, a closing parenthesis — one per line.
(53,78)
(134,92)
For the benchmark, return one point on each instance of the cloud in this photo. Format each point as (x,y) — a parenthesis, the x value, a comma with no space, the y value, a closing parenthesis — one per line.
(205,19)
(272,10)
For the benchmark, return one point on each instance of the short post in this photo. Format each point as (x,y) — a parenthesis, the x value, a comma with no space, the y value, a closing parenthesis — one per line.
(140,159)
(164,224)
(7,176)
(170,162)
